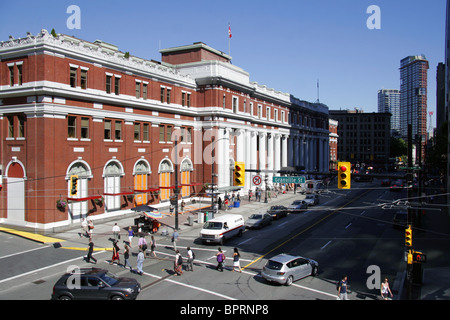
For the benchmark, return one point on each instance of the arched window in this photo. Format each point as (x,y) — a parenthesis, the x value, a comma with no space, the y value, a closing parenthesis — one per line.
(78,208)
(141,172)
(165,170)
(112,172)
(186,168)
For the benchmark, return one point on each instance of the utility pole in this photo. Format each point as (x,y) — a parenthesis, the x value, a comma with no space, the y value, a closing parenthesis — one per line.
(176,184)
(409,274)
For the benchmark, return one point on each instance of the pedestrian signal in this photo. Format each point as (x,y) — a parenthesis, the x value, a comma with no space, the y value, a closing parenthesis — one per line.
(73,185)
(419,257)
(344,177)
(408,237)
(239,174)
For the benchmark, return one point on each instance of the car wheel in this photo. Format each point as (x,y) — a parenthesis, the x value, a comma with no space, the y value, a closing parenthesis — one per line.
(314,271)
(240,233)
(64,298)
(289,280)
(117,298)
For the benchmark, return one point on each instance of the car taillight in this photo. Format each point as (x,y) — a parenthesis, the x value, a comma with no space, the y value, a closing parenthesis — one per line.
(281,273)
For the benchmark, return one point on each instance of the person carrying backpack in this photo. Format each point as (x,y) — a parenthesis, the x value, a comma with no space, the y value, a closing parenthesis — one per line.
(178,264)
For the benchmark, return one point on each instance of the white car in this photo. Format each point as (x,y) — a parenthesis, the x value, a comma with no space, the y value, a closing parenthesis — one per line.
(312,199)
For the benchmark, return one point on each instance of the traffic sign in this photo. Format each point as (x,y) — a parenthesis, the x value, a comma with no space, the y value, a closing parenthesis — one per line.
(300,179)
(256,180)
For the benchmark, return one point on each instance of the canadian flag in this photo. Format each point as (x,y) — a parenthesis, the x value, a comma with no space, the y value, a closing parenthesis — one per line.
(229,31)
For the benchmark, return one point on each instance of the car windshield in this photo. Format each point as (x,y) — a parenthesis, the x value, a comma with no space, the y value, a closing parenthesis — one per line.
(212,225)
(256,216)
(274,265)
(310,197)
(110,278)
(297,202)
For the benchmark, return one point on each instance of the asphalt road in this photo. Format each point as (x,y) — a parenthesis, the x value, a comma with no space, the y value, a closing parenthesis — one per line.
(347,233)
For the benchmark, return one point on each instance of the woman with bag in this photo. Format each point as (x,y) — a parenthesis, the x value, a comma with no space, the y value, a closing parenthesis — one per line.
(220,260)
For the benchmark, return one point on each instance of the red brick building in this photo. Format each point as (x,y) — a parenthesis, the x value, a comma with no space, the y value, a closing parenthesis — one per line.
(72,107)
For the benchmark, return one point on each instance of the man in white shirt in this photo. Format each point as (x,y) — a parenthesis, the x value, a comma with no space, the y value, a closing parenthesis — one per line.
(116,232)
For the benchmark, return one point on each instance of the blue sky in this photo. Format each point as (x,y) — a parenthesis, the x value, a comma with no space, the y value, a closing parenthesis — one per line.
(286,44)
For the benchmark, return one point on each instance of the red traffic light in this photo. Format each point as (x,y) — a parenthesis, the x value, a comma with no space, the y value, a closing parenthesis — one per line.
(419,257)
(343,168)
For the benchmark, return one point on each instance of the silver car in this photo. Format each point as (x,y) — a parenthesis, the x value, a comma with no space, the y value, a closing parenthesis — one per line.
(285,269)
(297,206)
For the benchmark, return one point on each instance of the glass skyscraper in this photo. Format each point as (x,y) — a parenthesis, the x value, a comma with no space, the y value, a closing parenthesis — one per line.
(389,101)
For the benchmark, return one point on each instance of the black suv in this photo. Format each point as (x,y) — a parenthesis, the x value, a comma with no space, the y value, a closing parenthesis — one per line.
(94,283)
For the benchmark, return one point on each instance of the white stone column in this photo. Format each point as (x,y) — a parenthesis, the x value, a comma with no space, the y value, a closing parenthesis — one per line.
(270,156)
(284,151)
(277,153)
(262,150)
(222,158)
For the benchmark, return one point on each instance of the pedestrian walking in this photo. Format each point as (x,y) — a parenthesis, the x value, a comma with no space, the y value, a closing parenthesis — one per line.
(220,260)
(116,232)
(115,256)
(178,263)
(142,243)
(342,288)
(386,290)
(190,259)
(90,251)
(130,235)
(126,256)
(183,205)
(90,228)
(140,262)
(175,236)
(236,257)
(152,246)
(84,228)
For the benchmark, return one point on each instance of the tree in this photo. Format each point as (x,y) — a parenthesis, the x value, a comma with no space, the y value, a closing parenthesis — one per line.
(398,147)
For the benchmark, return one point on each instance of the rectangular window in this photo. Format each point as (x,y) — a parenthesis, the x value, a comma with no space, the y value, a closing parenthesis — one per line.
(83,79)
(118,130)
(10,127)
(161,133)
(84,128)
(145,91)
(183,99)
(138,90)
(188,102)
(107,135)
(224,102)
(137,131)
(19,70)
(235,105)
(116,85)
(108,84)
(11,75)
(169,133)
(21,126)
(169,91)
(163,93)
(146,132)
(71,127)
(73,77)
(189,135)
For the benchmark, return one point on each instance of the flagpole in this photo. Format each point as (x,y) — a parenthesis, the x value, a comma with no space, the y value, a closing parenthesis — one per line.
(229,39)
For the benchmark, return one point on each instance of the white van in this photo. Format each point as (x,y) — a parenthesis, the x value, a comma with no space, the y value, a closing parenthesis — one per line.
(219,229)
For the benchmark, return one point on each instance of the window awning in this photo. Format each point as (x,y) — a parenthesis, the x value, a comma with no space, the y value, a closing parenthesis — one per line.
(84,199)
(119,193)
(146,190)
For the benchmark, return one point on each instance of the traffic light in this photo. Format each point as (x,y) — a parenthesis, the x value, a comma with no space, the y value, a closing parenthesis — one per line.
(239,174)
(344,177)
(73,185)
(419,257)
(408,236)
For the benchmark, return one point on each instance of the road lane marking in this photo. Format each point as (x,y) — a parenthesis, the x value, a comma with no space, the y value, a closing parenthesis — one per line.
(348,225)
(304,230)
(26,251)
(323,247)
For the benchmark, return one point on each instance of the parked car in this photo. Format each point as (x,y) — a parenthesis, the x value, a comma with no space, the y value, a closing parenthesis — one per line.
(385,182)
(297,206)
(95,284)
(312,199)
(277,212)
(285,269)
(397,185)
(258,220)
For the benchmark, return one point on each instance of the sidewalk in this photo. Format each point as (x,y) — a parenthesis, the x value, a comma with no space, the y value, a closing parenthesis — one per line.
(102,233)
